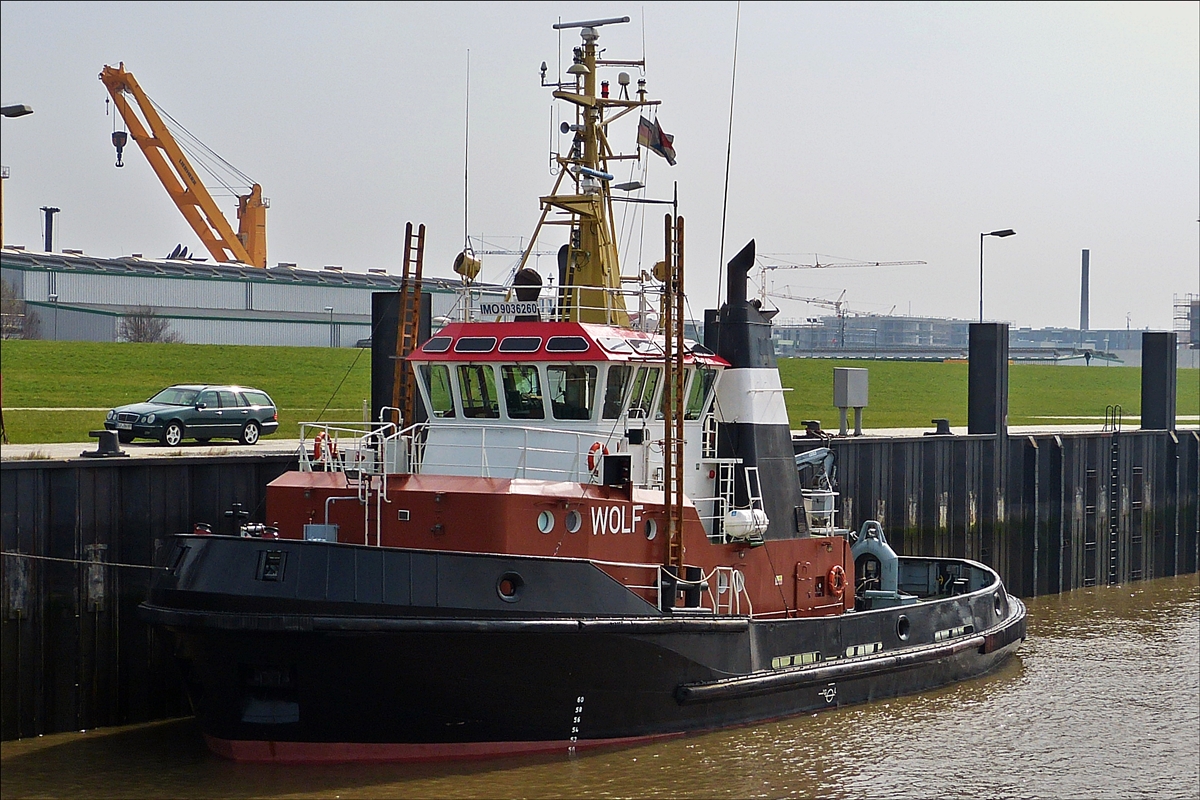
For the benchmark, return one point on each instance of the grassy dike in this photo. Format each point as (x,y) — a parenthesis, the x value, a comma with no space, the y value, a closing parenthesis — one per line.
(306,381)
(302,381)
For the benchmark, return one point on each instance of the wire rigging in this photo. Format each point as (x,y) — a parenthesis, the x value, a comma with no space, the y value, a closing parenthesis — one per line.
(208,159)
(728,152)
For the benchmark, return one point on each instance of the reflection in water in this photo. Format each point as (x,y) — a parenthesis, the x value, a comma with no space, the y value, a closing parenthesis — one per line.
(1102,701)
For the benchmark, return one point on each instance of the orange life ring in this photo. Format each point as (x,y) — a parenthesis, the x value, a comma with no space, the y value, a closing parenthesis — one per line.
(836,580)
(592,451)
(323,444)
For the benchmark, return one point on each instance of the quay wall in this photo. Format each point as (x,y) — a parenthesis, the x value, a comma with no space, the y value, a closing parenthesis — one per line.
(1050,512)
(73,652)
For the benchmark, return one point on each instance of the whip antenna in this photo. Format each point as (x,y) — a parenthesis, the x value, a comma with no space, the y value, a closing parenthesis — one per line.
(728,149)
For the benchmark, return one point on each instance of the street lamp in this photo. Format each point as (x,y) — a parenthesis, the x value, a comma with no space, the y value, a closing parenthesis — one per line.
(20,110)
(330,310)
(1000,234)
(54,299)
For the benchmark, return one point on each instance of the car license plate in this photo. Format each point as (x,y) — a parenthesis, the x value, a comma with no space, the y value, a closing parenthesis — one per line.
(124,426)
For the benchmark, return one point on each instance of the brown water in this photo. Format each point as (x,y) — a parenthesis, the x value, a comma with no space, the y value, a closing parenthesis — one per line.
(1102,701)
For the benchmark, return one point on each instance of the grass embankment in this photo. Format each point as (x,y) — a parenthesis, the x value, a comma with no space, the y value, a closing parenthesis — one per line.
(302,381)
(306,381)
(910,394)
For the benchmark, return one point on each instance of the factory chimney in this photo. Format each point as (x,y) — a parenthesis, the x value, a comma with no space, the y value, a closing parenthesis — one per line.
(49,211)
(1083,295)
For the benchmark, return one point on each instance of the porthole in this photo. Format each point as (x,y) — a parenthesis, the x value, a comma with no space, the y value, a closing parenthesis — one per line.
(902,626)
(651,529)
(574,521)
(998,604)
(545,522)
(509,586)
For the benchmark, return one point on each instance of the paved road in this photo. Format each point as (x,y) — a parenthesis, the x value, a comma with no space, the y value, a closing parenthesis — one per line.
(148,449)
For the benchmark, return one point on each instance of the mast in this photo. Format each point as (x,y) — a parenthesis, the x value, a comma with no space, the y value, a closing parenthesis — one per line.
(590,271)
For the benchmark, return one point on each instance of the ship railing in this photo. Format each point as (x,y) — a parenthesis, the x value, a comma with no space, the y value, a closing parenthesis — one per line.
(486,451)
(354,448)
(820,509)
(498,304)
(722,590)
(713,522)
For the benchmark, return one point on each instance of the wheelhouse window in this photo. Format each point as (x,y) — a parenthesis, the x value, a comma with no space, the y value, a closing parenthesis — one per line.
(567,344)
(520,344)
(614,390)
(572,390)
(438,344)
(701,391)
(522,391)
(475,344)
(662,400)
(477,391)
(436,378)
(641,399)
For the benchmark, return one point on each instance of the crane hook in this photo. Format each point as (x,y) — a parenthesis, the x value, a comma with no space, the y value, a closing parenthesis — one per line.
(119,138)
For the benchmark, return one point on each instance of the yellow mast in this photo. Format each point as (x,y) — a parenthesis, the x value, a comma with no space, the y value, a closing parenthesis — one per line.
(590,291)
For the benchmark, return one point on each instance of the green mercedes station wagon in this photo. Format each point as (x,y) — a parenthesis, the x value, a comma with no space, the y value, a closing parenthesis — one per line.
(197,412)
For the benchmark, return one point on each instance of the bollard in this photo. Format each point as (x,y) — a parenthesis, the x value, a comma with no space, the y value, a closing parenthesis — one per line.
(107,446)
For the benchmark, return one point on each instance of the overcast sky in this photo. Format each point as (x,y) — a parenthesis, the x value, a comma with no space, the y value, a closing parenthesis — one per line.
(872,131)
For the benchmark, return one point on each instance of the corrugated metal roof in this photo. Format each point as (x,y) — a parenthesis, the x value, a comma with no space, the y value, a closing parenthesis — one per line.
(71,262)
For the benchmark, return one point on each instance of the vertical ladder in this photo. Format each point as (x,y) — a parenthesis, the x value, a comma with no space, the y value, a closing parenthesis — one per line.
(408,323)
(726,497)
(754,498)
(672,316)
(1112,419)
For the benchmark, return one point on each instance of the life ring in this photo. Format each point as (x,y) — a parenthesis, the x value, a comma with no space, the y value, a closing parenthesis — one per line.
(323,444)
(836,580)
(592,451)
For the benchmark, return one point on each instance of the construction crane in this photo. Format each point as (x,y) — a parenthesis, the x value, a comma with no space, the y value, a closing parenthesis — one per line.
(838,306)
(166,157)
(765,265)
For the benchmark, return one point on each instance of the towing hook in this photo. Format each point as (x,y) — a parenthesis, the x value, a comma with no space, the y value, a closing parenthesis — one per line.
(119,139)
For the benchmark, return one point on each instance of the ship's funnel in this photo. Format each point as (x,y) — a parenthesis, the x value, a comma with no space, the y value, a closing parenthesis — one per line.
(752,420)
(739,271)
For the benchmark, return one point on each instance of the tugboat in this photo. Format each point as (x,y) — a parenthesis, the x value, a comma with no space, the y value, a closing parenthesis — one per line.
(598,532)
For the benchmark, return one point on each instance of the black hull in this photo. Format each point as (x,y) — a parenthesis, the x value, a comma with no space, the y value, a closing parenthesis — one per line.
(425,682)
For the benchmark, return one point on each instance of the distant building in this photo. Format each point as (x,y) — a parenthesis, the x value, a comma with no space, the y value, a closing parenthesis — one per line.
(933,338)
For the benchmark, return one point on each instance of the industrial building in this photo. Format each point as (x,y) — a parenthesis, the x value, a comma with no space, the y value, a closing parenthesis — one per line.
(72,296)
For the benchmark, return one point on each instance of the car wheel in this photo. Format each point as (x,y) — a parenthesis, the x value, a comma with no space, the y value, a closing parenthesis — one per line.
(172,435)
(124,437)
(250,433)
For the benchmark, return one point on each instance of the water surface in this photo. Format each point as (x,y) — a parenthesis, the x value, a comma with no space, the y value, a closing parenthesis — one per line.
(1103,701)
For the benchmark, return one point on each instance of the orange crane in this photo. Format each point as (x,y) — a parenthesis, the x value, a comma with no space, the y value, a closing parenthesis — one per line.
(166,157)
